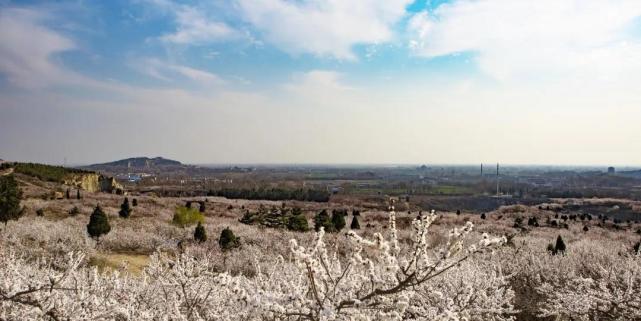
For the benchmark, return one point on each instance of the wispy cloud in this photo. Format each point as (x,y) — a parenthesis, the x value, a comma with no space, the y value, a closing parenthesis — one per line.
(193,27)
(321,27)
(170,72)
(534,39)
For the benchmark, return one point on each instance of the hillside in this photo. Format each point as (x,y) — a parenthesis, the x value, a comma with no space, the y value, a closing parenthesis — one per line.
(138,162)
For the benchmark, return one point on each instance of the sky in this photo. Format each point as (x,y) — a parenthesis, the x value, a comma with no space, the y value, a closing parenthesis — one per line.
(322,81)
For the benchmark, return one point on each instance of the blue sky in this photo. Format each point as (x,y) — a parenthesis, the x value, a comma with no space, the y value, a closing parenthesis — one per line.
(322,81)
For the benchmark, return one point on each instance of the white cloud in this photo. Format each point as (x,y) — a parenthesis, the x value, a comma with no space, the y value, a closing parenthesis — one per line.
(324,27)
(27,49)
(535,39)
(194,27)
(172,72)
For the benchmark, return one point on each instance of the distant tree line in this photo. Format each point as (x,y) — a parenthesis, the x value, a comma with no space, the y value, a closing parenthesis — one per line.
(44,172)
(273,194)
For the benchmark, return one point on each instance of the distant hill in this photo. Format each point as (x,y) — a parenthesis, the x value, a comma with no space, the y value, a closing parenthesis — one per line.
(634,174)
(139,162)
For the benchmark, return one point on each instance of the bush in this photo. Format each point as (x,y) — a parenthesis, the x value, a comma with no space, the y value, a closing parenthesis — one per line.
(98,223)
(323,220)
(185,216)
(200,234)
(40,212)
(338,219)
(560,246)
(134,202)
(298,223)
(10,195)
(74,211)
(355,225)
(125,210)
(585,228)
(637,247)
(228,240)
(202,207)
(483,216)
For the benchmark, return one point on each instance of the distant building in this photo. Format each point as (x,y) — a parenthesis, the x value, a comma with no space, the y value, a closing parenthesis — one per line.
(611,170)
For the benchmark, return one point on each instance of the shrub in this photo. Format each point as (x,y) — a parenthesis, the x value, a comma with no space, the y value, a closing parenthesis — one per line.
(560,245)
(10,195)
(355,225)
(585,228)
(200,234)
(228,240)
(125,210)
(134,202)
(74,211)
(98,223)
(637,247)
(40,212)
(482,216)
(338,219)
(458,212)
(323,220)
(202,207)
(518,221)
(298,223)
(185,216)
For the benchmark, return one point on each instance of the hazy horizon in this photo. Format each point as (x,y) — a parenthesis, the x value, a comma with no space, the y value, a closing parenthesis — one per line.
(322,82)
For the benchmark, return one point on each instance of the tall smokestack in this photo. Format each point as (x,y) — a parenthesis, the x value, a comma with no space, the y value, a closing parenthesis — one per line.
(497,180)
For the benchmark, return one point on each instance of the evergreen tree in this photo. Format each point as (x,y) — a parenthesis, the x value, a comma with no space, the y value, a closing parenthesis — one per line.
(67,194)
(338,219)
(637,248)
(10,195)
(322,219)
(78,194)
(202,207)
(228,240)
(355,225)
(125,210)
(356,213)
(98,223)
(200,234)
(560,245)
(134,202)
(298,223)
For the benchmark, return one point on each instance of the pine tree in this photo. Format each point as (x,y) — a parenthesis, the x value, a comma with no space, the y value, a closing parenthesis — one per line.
(67,194)
(10,195)
(228,240)
(560,245)
(338,220)
(355,225)
(134,202)
(98,223)
(125,210)
(322,219)
(298,223)
(78,194)
(200,234)
(202,207)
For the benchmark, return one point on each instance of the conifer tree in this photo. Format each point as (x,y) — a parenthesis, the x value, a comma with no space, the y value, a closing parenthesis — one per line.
(322,219)
(338,220)
(200,234)
(98,223)
(560,245)
(10,195)
(355,225)
(298,223)
(125,210)
(228,240)
(67,194)
(78,194)
(637,248)
(202,207)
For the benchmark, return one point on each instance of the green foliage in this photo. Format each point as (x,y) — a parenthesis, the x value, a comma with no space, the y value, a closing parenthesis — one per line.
(200,234)
(74,211)
(298,223)
(322,219)
(228,240)
(273,194)
(10,195)
(338,219)
(185,216)
(47,172)
(355,225)
(98,223)
(125,210)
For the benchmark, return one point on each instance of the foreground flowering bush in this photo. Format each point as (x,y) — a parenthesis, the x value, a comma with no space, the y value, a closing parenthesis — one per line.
(363,279)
